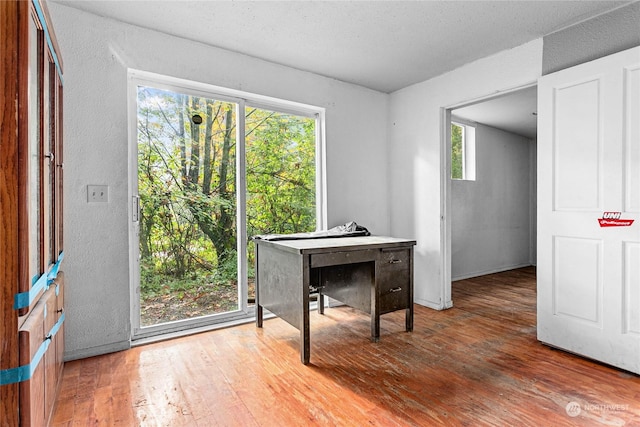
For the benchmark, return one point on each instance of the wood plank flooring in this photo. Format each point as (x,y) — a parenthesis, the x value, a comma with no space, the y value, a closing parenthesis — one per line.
(477,364)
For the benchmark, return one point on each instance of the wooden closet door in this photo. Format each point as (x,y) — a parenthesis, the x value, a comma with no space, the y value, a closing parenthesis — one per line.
(12,17)
(30,210)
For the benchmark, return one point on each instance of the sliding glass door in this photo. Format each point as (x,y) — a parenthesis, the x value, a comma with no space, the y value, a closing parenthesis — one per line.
(208,172)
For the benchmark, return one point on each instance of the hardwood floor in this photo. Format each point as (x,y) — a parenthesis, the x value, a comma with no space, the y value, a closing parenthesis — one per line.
(477,364)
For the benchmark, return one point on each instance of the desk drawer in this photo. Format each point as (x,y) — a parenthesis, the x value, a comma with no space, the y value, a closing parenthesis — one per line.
(395,260)
(394,279)
(341,258)
(393,284)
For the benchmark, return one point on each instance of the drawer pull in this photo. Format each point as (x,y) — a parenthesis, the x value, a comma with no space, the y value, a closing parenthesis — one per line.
(395,261)
(398,289)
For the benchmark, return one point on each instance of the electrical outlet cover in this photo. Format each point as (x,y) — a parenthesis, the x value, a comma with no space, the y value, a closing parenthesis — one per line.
(97,193)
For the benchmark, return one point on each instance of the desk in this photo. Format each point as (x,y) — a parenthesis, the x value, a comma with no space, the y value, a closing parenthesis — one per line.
(373,274)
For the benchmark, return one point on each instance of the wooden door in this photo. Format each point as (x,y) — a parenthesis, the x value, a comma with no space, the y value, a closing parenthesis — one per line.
(589,209)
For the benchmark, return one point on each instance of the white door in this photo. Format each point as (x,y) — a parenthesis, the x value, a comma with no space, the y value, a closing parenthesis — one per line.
(589,170)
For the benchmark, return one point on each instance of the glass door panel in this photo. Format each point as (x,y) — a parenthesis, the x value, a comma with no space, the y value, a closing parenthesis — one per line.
(35,268)
(187,222)
(280,154)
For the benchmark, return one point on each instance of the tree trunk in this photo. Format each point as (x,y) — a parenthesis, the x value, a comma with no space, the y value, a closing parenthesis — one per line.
(194,163)
(226,235)
(183,150)
(208,143)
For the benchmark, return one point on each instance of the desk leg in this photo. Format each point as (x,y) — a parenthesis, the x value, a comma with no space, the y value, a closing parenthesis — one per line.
(375,304)
(318,280)
(305,346)
(375,327)
(320,302)
(258,316)
(375,315)
(409,313)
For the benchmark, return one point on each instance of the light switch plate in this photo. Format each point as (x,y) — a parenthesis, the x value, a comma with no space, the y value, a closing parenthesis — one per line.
(97,193)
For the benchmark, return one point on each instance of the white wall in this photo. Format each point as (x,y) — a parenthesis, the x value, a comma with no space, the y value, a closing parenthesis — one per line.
(491,216)
(96,54)
(415,140)
(533,201)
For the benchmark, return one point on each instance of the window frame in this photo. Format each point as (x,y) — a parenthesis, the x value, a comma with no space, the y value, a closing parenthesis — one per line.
(468,149)
(242,100)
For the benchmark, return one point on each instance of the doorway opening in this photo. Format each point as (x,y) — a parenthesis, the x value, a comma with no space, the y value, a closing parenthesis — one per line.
(490,208)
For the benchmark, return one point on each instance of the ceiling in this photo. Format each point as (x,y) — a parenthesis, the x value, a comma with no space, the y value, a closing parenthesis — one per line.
(515,112)
(381,45)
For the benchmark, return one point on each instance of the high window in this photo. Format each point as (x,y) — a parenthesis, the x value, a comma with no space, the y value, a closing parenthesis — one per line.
(463,151)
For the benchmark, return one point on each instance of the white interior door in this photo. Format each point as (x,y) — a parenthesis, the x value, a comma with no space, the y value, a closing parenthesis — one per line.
(589,166)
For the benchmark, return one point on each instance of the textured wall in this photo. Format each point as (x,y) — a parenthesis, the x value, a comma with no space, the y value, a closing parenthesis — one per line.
(601,36)
(491,216)
(97,53)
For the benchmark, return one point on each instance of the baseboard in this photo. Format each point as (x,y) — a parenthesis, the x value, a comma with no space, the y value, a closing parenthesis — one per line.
(490,271)
(83,353)
(430,304)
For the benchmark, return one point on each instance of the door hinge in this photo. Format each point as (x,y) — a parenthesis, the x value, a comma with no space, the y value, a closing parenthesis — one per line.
(135,209)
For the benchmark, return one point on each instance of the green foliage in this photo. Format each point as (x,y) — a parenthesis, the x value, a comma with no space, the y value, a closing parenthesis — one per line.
(187,186)
(457,147)
(280,173)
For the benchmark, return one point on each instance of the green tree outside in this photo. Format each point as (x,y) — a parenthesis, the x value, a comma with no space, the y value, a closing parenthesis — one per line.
(457,149)
(187,187)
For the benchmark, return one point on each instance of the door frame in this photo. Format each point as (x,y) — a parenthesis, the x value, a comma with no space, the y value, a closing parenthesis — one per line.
(445,184)
(244,313)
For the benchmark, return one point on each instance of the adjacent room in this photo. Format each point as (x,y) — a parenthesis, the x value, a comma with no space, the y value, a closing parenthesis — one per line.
(336,213)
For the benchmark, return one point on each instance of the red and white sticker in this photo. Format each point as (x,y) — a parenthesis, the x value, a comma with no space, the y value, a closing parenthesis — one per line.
(612,219)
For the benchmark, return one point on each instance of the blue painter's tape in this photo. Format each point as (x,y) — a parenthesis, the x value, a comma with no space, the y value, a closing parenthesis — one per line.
(53,273)
(25,372)
(25,299)
(47,35)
